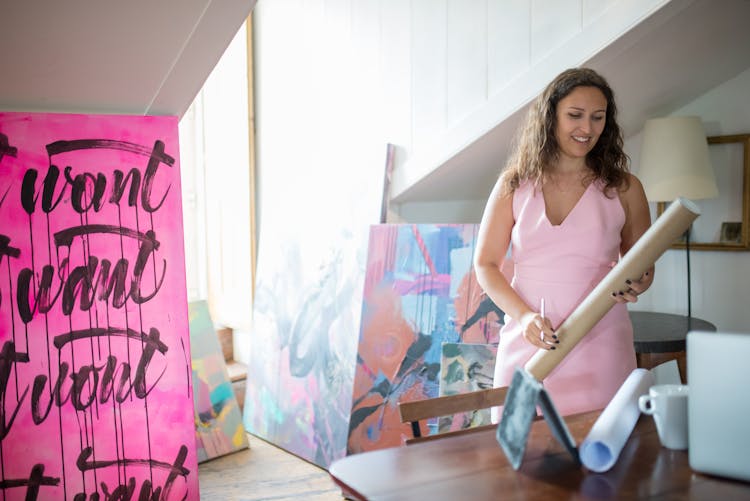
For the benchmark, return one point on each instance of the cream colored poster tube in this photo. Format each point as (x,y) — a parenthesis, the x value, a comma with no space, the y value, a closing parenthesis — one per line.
(652,244)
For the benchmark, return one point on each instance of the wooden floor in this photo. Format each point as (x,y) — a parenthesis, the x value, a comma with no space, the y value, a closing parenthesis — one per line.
(264,471)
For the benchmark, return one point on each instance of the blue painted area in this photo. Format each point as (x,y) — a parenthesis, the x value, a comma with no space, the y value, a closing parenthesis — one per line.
(222,393)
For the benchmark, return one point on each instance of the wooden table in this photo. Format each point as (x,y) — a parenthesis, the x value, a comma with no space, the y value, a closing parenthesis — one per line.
(659,337)
(474,467)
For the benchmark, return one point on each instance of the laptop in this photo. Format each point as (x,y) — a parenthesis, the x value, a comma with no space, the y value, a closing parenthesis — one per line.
(718,373)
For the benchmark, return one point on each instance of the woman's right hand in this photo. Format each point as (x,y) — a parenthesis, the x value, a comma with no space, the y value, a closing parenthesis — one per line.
(538,331)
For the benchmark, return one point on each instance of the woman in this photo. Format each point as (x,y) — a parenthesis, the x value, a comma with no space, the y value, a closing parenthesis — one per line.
(569,206)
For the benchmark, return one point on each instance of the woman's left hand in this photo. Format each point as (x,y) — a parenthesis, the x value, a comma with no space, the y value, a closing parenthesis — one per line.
(633,288)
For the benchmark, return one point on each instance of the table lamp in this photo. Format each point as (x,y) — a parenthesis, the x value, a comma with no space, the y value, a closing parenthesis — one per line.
(674,162)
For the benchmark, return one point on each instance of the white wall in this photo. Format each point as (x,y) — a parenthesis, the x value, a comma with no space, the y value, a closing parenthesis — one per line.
(321,108)
(720,280)
(444,211)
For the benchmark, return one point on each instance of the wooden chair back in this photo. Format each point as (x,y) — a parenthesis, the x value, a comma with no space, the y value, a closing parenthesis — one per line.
(418,410)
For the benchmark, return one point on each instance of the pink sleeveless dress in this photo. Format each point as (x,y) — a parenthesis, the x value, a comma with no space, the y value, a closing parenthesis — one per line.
(562,264)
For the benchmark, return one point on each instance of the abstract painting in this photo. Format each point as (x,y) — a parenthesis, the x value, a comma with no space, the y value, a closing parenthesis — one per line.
(95,377)
(420,292)
(218,420)
(303,348)
(466,367)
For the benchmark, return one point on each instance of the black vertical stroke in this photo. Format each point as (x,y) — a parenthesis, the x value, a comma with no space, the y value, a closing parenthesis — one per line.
(153,254)
(86,254)
(15,366)
(13,322)
(49,358)
(83,432)
(86,250)
(33,278)
(83,438)
(5,195)
(115,404)
(125,308)
(187,367)
(2,468)
(127,346)
(122,442)
(145,383)
(73,370)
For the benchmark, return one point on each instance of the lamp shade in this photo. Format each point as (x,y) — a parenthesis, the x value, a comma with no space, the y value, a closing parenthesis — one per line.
(674,160)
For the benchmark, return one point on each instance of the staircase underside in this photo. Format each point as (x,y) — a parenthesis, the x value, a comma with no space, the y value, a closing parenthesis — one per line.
(655,68)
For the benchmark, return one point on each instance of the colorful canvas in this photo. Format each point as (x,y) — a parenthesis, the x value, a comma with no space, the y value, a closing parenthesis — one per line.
(218,420)
(420,291)
(466,367)
(95,379)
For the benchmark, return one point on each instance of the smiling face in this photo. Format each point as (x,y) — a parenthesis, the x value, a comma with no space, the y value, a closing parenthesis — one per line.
(581,117)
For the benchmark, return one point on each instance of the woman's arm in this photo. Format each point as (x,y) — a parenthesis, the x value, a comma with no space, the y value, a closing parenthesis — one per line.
(637,221)
(492,245)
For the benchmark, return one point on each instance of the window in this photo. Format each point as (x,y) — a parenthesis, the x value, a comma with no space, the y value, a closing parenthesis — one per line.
(217,185)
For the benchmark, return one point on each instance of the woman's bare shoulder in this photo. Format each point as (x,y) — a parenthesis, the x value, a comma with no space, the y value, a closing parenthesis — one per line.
(633,197)
(631,189)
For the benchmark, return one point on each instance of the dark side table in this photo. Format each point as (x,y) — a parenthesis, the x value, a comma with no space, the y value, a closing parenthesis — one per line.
(659,337)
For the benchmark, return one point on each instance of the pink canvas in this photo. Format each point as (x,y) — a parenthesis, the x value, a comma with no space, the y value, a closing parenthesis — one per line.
(95,372)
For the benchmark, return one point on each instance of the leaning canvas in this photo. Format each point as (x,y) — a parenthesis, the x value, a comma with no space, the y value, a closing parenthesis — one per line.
(307,302)
(95,377)
(218,420)
(420,291)
(303,347)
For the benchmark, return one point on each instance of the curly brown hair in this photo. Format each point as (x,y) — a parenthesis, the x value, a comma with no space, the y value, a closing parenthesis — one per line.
(536,146)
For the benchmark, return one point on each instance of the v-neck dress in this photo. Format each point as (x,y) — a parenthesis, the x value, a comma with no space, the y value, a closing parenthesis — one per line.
(562,264)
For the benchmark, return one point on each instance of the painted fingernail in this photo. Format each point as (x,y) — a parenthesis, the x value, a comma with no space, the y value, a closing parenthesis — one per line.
(646,273)
(557,341)
(554,336)
(614,295)
(551,347)
(620,293)
(628,281)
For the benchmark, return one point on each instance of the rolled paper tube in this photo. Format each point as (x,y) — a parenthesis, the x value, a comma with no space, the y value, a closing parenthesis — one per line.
(658,238)
(602,446)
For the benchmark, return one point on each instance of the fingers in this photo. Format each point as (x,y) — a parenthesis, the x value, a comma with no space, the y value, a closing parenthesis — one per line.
(632,289)
(625,296)
(548,336)
(539,332)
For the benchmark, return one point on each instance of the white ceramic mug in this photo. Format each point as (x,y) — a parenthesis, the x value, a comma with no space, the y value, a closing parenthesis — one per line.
(668,404)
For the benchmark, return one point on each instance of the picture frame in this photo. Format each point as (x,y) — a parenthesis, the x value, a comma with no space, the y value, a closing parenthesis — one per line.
(731,232)
(724,224)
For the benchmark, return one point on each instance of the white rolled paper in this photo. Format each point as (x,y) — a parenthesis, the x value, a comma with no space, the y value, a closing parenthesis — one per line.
(602,446)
